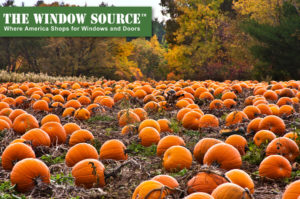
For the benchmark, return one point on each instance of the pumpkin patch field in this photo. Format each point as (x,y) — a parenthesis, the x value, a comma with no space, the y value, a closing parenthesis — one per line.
(150,139)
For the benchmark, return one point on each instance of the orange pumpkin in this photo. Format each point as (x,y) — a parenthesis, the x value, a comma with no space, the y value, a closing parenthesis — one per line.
(205,182)
(144,189)
(292,191)
(251,111)
(68,112)
(89,173)
(37,137)
(238,142)
(15,114)
(149,136)
(182,112)
(208,120)
(56,132)
(113,149)
(273,123)
(286,110)
(34,169)
(82,114)
(283,146)
(73,103)
(6,119)
(128,118)
(149,123)
(253,126)
(80,136)
(71,127)
(167,180)
(229,103)
(141,113)
(15,152)
(240,178)
(291,135)
(4,125)
(40,105)
(80,152)
(165,125)
(6,112)
(177,158)
(24,122)
(235,117)
(168,141)
(230,190)
(50,118)
(275,167)
(202,146)
(191,120)
(224,155)
(129,129)
(216,104)
(263,137)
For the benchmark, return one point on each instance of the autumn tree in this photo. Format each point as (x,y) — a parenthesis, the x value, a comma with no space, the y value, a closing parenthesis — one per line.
(149,56)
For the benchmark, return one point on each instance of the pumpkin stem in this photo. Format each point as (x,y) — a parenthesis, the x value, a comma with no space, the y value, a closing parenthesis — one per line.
(216,164)
(215,172)
(248,193)
(162,189)
(117,169)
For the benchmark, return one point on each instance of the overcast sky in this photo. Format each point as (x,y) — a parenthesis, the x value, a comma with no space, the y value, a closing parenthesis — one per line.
(153,3)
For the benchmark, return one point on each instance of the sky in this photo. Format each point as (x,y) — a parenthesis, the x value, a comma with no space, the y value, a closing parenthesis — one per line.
(156,8)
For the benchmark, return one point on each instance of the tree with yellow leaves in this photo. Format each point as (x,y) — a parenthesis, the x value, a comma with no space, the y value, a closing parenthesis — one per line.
(264,11)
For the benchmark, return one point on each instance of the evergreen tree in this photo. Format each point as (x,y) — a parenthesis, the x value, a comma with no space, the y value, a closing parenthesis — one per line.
(278,47)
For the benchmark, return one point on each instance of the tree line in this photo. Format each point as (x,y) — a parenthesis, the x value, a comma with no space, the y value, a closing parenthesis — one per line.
(202,39)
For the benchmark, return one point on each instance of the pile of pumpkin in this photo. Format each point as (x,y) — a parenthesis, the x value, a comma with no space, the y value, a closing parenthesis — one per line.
(264,114)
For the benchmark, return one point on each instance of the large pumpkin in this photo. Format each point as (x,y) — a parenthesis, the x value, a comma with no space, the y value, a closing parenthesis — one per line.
(143,190)
(149,136)
(38,137)
(80,136)
(25,122)
(168,141)
(80,152)
(205,182)
(50,118)
(240,178)
(230,190)
(149,123)
(292,191)
(191,120)
(275,167)
(89,173)
(177,158)
(235,117)
(223,155)
(263,137)
(238,142)
(128,117)
(167,180)
(273,123)
(71,127)
(14,153)
(27,173)
(285,147)
(113,149)
(56,132)
(202,146)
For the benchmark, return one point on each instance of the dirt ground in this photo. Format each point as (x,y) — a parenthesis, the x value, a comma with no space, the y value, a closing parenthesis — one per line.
(142,165)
